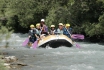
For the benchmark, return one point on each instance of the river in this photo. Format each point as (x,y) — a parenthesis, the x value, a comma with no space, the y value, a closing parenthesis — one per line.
(90,56)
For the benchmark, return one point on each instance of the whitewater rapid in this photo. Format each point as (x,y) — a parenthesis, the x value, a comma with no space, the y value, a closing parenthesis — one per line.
(89,57)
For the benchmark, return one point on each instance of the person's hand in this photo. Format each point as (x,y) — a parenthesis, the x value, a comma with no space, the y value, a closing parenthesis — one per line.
(71,36)
(37,37)
(29,36)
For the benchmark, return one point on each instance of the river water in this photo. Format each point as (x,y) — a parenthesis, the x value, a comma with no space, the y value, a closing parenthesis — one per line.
(90,56)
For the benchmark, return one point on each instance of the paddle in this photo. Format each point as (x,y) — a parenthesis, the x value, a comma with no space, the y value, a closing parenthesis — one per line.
(35,44)
(77,45)
(77,36)
(80,36)
(25,42)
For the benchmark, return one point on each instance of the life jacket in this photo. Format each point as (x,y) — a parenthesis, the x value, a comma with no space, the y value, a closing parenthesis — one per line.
(60,31)
(44,30)
(32,33)
(67,31)
(38,31)
(52,32)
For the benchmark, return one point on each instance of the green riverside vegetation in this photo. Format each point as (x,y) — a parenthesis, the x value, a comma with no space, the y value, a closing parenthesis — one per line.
(85,16)
(2,67)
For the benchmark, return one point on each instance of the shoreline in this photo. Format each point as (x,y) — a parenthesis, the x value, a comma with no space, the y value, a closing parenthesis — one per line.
(2,63)
(10,61)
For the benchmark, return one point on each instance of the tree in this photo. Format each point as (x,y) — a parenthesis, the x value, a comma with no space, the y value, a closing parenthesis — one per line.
(5,34)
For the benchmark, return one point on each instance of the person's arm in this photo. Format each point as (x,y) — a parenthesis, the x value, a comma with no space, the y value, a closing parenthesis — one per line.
(35,32)
(29,34)
(36,36)
(57,32)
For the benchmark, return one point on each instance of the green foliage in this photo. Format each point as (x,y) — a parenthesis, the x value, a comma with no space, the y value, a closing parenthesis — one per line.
(2,67)
(85,16)
(50,18)
(5,34)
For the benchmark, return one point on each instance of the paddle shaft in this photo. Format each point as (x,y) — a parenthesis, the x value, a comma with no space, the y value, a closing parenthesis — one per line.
(77,45)
(68,32)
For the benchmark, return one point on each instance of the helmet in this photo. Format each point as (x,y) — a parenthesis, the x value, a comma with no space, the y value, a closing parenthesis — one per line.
(38,24)
(52,25)
(61,24)
(42,20)
(32,25)
(67,24)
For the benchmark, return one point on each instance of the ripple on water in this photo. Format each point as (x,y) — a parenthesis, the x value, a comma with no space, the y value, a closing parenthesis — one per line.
(70,67)
(81,67)
(87,52)
(74,52)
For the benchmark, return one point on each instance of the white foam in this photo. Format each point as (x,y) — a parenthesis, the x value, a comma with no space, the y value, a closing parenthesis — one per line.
(81,67)
(86,52)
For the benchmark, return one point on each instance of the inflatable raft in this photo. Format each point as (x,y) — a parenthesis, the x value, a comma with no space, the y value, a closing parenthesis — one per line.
(55,41)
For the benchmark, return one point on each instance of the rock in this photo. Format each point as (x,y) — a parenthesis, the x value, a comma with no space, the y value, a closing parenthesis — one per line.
(13,58)
(7,65)
(10,59)
(22,64)
(7,60)
(17,65)
(11,62)
(2,57)
(3,53)
(14,67)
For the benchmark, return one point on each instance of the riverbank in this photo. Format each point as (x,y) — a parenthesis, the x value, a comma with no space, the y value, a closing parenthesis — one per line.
(9,62)
(2,66)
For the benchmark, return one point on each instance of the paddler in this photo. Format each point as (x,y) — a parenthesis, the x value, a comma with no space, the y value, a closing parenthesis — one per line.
(60,29)
(44,28)
(67,30)
(38,29)
(52,30)
(32,35)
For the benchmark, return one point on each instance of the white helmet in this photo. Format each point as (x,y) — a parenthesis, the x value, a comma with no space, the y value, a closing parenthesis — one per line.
(42,20)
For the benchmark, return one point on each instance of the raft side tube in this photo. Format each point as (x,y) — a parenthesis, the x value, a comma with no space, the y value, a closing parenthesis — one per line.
(59,42)
(55,41)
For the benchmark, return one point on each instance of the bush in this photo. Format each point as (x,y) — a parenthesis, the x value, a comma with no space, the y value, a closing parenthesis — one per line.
(5,34)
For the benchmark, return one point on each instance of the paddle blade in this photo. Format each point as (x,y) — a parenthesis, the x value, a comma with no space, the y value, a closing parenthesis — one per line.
(35,44)
(81,37)
(78,36)
(78,46)
(25,42)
